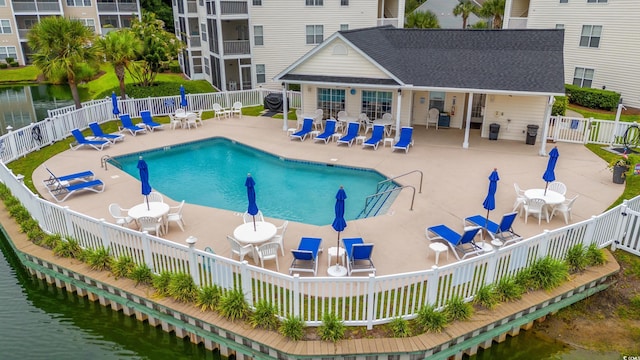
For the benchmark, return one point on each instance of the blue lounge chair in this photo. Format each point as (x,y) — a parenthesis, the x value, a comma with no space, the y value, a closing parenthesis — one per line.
(352,133)
(358,255)
(406,134)
(502,233)
(305,258)
(463,243)
(62,191)
(376,137)
(329,130)
(99,134)
(53,180)
(127,124)
(82,141)
(147,121)
(307,127)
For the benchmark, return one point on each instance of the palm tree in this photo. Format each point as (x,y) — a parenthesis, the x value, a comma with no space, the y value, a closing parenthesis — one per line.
(422,20)
(465,9)
(61,46)
(493,9)
(120,48)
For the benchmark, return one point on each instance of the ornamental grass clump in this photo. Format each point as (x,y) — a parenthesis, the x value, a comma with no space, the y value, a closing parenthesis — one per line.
(430,320)
(508,289)
(487,296)
(457,309)
(99,259)
(208,297)
(161,283)
(68,248)
(233,305)
(292,327)
(332,328)
(122,267)
(548,273)
(142,274)
(399,327)
(595,255)
(182,287)
(264,316)
(576,258)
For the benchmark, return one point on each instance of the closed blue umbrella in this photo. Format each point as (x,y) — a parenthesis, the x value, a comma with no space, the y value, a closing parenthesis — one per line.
(252,209)
(144,179)
(114,101)
(549,174)
(490,201)
(183,97)
(339,224)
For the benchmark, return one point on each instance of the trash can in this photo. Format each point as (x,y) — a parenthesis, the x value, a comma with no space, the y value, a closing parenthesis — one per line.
(494,129)
(532,132)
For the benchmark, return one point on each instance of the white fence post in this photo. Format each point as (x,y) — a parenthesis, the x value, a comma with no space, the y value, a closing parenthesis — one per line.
(491,267)
(620,230)
(591,229)
(296,296)
(371,300)
(106,242)
(245,284)
(544,250)
(68,223)
(193,260)
(432,286)
(146,251)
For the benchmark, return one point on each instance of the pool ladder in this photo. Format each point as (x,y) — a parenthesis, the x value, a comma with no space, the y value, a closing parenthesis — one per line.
(383,192)
(106,159)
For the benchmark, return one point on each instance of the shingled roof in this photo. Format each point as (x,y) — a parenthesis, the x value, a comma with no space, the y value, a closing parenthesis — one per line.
(520,60)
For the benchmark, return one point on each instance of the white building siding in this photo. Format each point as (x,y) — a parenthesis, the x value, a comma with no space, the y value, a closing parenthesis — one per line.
(615,61)
(333,57)
(514,113)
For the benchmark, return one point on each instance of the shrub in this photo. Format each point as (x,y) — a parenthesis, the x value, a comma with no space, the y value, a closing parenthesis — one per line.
(9,60)
(576,258)
(208,298)
(161,283)
(11,201)
(399,328)
(592,98)
(141,274)
(264,316)
(122,267)
(524,278)
(292,327)
(547,273)
(49,241)
(174,67)
(486,296)
(508,289)
(4,191)
(595,255)
(99,259)
(233,305)
(19,213)
(68,248)
(182,288)
(4,65)
(428,319)
(332,328)
(28,225)
(458,309)
(560,106)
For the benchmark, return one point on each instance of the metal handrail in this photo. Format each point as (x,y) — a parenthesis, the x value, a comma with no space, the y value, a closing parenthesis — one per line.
(399,188)
(106,158)
(405,174)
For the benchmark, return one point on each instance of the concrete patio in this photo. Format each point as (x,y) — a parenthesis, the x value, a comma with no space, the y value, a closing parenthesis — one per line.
(454,187)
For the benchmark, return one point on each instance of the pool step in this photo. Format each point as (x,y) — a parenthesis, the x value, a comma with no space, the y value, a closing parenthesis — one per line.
(380,203)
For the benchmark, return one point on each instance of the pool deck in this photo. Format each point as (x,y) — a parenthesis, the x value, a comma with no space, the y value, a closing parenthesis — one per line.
(455,185)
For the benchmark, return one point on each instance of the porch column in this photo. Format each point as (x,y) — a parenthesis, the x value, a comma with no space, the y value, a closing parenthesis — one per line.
(465,144)
(285,107)
(398,107)
(507,14)
(545,129)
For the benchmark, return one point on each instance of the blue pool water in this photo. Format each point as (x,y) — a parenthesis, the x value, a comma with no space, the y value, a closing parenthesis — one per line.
(212,173)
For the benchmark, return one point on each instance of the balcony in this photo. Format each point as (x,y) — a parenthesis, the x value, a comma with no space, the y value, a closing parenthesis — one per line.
(37,6)
(192,7)
(237,47)
(194,41)
(517,23)
(117,7)
(233,7)
(388,21)
(22,33)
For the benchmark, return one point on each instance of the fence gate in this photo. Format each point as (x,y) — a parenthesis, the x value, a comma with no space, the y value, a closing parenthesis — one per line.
(630,237)
(566,129)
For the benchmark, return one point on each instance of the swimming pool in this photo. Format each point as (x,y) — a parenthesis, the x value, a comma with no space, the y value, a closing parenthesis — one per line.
(212,173)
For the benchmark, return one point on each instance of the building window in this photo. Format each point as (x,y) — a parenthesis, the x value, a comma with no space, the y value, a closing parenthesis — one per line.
(436,100)
(583,77)
(314,34)
(89,23)
(8,52)
(203,31)
(564,1)
(590,36)
(596,1)
(331,101)
(257,2)
(78,2)
(206,66)
(261,76)
(344,27)
(559,26)
(5,26)
(344,2)
(314,2)
(376,103)
(258,36)
(3,3)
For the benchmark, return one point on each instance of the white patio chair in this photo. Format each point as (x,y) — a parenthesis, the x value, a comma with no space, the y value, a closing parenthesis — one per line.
(119,214)
(175,215)
(268,251)
(191,121)
(155,196)
(236,109)
(565,209)
(219,111)
(387,118)
(520,198)
(558,187)
(199,117)
(246,217)
(366,123)
(279,238)
(175,122)
(239,249)
(151,225)
(536,207)
(317,119)
(433,117)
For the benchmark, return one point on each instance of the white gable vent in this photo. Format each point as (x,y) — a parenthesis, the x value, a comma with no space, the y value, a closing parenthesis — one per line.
(339,49)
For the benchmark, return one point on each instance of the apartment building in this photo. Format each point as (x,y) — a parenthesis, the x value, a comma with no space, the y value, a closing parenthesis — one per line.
(601,44)
(243,44)
(18,16)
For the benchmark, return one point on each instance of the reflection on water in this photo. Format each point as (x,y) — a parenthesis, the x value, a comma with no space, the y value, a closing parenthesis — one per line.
(22,105)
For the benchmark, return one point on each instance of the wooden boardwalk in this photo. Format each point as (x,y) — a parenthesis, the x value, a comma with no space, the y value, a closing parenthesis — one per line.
(452,334)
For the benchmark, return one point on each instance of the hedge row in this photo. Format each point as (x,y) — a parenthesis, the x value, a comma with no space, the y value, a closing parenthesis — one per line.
(560,106)
(592,98)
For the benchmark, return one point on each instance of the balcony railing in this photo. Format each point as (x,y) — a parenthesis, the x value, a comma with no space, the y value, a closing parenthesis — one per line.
(237,47)
(22,33)
(194,41)
(117,7)
(233,7)
(192,6)
(518,23)
(40,6)
(388,21)
(102,6)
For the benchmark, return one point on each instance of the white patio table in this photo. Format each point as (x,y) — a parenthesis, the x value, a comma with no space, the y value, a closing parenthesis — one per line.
(246,234)
(156,210)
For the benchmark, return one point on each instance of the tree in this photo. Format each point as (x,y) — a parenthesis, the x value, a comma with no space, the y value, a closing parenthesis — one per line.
(422,20)
(121,49)
(493,9)
(465,9)
(158,48)
(162,9)
(61,47)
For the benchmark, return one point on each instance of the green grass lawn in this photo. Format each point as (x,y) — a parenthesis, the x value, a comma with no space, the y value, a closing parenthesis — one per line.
(610,115)
(24,74)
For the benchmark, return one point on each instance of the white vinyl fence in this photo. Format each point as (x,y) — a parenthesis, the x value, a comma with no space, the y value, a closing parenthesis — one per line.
(359,301)
(593,131)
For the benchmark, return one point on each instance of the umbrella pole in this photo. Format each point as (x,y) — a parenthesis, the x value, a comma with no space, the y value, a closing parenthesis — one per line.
(147,198)
(545,188)
(338,251)
(486,224)
(254,223)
